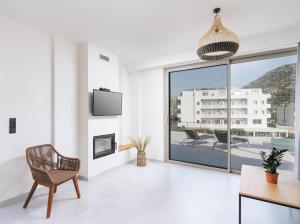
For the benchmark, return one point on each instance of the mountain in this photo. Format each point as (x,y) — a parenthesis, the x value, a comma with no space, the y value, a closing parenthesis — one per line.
(280,83)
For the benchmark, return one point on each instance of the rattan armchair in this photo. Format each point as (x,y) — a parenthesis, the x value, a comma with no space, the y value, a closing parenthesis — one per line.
(49,168)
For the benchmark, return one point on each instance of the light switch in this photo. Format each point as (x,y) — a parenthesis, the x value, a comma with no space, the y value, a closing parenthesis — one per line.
(12,125)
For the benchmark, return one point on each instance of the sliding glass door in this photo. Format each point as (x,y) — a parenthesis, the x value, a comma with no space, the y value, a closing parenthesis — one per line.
(263,108)
(255,101)
(198,116)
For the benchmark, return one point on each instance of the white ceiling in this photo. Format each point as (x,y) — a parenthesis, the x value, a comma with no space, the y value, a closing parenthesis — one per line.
(141,29)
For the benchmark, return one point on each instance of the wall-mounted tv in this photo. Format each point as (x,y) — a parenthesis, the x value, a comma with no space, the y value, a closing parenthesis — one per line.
(107,103)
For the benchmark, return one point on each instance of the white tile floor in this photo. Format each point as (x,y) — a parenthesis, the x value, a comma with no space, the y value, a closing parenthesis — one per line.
(160,193)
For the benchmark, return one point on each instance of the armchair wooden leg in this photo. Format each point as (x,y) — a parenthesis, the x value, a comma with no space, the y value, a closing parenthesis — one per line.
(50,199)
(55,188)
(76,186)
(35,184)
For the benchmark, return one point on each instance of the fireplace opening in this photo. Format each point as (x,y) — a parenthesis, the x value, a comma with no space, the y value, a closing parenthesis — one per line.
(103,145)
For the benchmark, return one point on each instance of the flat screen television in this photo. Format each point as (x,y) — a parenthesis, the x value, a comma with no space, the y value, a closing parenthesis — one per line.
(107,103)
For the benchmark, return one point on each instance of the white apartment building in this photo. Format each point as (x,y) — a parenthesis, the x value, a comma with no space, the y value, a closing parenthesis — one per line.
(208,109)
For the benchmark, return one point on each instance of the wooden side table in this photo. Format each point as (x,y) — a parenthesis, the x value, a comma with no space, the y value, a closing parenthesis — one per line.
(254,185)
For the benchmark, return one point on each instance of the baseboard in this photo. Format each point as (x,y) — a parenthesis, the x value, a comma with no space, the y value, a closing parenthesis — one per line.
(84,178)
(13,200)
(19,198)
(156,160)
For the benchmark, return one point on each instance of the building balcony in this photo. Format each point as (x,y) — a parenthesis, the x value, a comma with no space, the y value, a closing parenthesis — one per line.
(216,116)
(210,97)
(242,106)
(217,106)
(212,106)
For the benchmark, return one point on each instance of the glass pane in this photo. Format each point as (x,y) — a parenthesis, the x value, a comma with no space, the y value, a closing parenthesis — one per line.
(263,110)
(198,116)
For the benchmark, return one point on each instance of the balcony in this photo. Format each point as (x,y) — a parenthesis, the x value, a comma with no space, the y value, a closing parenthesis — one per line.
(213,115)
(217,106)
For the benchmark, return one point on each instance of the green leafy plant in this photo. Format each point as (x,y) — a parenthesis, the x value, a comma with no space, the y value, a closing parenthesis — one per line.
(272,160)
(139,143)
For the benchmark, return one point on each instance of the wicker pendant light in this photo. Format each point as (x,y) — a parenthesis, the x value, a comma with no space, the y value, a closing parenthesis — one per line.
(219,42)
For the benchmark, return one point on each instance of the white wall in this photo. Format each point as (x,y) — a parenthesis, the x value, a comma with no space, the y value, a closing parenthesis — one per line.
(83,109)
(147,109)
(25,93)
(98,73)
(66,96)
(125,120)
(38,86)
(41,74)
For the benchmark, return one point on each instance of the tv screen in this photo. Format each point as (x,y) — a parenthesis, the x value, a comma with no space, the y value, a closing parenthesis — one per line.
(107,103)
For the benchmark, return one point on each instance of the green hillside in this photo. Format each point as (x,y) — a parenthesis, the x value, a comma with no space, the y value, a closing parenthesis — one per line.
(280,83)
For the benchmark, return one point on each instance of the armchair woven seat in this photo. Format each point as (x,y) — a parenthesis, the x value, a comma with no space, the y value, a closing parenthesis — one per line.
(50,168)
(61,176)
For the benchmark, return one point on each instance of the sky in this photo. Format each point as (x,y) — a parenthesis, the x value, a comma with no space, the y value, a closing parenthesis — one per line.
(216,77)
(209,77)
(243,73)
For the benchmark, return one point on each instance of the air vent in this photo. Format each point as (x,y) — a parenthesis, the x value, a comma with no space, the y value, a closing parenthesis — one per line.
(104,58)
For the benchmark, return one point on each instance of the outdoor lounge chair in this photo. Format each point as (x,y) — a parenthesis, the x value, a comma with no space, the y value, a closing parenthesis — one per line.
(192,135)
(221,136)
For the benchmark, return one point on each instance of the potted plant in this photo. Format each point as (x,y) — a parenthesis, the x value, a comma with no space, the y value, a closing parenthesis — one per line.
(140,144)
(271,162)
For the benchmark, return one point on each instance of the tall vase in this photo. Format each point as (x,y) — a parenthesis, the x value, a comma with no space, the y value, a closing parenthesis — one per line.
(141,158)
